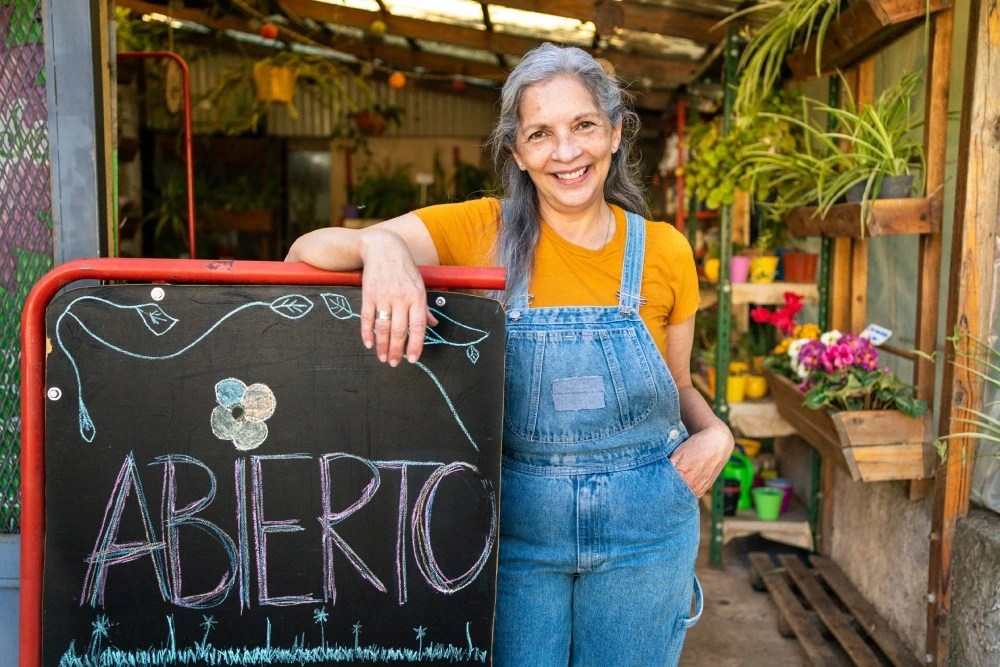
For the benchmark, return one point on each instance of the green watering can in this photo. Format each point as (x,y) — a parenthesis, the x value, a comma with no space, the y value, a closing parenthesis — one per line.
(740,467)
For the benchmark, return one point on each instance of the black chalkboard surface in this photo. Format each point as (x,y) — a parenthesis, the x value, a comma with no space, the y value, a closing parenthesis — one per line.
(232,478)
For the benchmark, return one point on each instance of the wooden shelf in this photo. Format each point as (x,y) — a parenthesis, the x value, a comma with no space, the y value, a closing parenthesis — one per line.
(765,294)
(889,217)
(752,418)
(870,445)
(861,30)
(791,528)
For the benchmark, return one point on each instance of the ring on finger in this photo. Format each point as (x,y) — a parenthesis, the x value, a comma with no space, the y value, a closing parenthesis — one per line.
(383,314)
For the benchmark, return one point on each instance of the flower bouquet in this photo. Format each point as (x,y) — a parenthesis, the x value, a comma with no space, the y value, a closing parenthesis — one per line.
(830,387)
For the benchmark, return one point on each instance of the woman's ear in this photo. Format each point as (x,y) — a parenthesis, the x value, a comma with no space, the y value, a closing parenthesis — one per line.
(616,138)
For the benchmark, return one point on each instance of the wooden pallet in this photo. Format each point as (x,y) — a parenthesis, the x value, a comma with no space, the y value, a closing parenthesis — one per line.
(821,607)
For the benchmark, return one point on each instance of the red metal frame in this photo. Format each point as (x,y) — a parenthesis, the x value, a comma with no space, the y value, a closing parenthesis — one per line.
(33,350)
(188,153)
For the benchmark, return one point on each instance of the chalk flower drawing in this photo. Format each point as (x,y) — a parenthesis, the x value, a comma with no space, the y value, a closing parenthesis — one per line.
(241,413)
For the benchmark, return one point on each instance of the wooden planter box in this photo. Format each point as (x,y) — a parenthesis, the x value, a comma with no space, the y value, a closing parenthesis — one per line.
(862,29)
(871,445)
(916,215)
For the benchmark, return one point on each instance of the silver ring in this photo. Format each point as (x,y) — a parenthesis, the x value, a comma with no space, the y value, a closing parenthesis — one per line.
(383,314)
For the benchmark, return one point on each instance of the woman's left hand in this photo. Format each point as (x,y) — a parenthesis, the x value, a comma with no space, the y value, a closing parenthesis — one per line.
(702,456)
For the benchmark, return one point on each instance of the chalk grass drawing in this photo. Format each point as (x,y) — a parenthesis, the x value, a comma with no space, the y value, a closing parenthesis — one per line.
(204,652)
(240,415)
(290,306)
(340,307)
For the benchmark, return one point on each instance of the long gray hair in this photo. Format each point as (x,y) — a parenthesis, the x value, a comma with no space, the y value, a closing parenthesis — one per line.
(519,231)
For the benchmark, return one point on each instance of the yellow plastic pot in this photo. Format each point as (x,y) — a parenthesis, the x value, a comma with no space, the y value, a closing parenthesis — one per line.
(736,388)
(756,386)
(712,269)
(763,269)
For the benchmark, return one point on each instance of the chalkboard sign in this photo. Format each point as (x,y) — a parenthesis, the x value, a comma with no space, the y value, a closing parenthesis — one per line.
(232,478)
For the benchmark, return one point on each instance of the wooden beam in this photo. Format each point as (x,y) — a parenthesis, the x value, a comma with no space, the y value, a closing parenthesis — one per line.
(970,292)
(663,71)
(395,55)
(638,16)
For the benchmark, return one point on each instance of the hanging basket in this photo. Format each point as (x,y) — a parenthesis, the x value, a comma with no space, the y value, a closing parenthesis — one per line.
(370,123)
(275,83)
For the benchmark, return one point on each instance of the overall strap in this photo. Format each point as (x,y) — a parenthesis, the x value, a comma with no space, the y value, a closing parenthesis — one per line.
(629,298)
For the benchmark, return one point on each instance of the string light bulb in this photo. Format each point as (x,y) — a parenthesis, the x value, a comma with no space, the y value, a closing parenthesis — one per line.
(397,80)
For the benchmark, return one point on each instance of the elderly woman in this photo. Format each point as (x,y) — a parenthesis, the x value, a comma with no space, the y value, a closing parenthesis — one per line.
(607,446)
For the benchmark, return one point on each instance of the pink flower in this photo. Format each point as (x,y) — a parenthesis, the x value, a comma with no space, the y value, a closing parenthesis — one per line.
(836,357)
(810,354)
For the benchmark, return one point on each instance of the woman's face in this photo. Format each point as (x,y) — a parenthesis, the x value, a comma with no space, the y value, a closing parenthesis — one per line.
(564,142)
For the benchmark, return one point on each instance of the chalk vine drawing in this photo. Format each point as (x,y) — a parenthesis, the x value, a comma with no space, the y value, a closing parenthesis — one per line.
(340,308)
(204,652)
(289,306)
(241,413)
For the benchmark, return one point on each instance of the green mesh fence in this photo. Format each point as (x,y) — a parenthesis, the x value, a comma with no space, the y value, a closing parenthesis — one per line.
(25,219)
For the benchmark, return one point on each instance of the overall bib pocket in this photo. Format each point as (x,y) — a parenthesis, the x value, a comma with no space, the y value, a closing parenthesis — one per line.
(566,385)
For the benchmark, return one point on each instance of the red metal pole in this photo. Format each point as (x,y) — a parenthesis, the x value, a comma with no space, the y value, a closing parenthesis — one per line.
(33,350)
(188,153)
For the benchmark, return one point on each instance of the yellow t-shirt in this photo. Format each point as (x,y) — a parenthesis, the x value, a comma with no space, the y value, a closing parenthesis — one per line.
(570,275)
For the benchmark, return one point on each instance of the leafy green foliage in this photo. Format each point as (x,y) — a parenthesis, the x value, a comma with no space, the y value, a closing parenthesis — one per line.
(719,163)
(852,388)
(384,191)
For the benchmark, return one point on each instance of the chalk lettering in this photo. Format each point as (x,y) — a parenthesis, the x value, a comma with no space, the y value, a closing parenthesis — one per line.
(108,552)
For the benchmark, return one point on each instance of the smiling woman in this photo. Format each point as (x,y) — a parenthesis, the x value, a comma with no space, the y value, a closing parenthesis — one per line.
(601,423)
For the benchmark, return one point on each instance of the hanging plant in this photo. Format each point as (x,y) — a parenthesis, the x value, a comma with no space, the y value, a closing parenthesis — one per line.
(244,94)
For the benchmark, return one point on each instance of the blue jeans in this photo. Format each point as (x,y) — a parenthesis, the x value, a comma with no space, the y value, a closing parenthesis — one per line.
(586,580)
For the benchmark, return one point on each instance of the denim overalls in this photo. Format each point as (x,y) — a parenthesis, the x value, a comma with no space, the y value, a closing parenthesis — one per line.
(599,532)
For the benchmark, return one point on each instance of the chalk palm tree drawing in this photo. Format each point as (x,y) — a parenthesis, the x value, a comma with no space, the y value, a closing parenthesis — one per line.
(289,306)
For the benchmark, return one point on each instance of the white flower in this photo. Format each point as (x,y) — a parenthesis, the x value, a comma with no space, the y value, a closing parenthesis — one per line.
(241,413)
(830,337)
(795,346)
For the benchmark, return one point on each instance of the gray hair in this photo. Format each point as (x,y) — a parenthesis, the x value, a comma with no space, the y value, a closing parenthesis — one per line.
(519,231)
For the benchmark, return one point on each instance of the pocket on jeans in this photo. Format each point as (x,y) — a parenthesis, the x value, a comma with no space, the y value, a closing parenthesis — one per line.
(685,488)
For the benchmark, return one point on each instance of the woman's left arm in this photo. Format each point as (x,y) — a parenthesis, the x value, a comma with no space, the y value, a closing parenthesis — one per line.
(702,456)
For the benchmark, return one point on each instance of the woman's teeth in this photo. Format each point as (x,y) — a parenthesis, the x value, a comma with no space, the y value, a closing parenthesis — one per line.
(571,175)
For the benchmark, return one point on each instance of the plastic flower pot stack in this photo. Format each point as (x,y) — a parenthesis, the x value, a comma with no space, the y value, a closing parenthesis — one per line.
(830,387)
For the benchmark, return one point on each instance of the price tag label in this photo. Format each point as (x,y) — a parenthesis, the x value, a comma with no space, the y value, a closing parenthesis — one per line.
(876,334)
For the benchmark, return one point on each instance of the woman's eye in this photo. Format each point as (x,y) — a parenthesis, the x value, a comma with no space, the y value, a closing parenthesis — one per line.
(535,136)
(586,125)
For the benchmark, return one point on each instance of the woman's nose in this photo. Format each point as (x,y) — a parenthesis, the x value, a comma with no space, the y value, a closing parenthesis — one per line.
(566,148)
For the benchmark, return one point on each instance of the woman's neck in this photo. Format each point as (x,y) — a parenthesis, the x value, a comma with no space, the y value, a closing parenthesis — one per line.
(591,228)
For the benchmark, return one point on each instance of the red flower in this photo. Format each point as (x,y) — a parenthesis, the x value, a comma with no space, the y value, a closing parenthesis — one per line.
(760,315)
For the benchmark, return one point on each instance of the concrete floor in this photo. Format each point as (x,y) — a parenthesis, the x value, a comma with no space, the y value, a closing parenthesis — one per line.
(739,625)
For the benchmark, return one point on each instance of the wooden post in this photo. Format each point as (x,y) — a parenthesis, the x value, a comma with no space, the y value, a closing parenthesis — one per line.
(976,224)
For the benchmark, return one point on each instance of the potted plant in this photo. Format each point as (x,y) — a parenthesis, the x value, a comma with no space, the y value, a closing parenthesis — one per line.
(764,261)
(881,159)
(867,147)
(383,191)
(831,388)
(244,94)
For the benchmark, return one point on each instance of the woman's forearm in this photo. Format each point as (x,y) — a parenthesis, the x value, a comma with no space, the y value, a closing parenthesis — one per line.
(330,248)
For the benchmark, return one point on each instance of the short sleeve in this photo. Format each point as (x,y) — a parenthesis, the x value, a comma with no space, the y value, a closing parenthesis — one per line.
(463,233)
(687,297)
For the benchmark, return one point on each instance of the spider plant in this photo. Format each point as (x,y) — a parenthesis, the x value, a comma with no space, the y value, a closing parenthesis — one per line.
(866,145)
(789,22)
(976,357)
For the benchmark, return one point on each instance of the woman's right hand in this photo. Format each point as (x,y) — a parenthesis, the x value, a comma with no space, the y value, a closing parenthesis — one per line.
(391,284)
(394,311)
